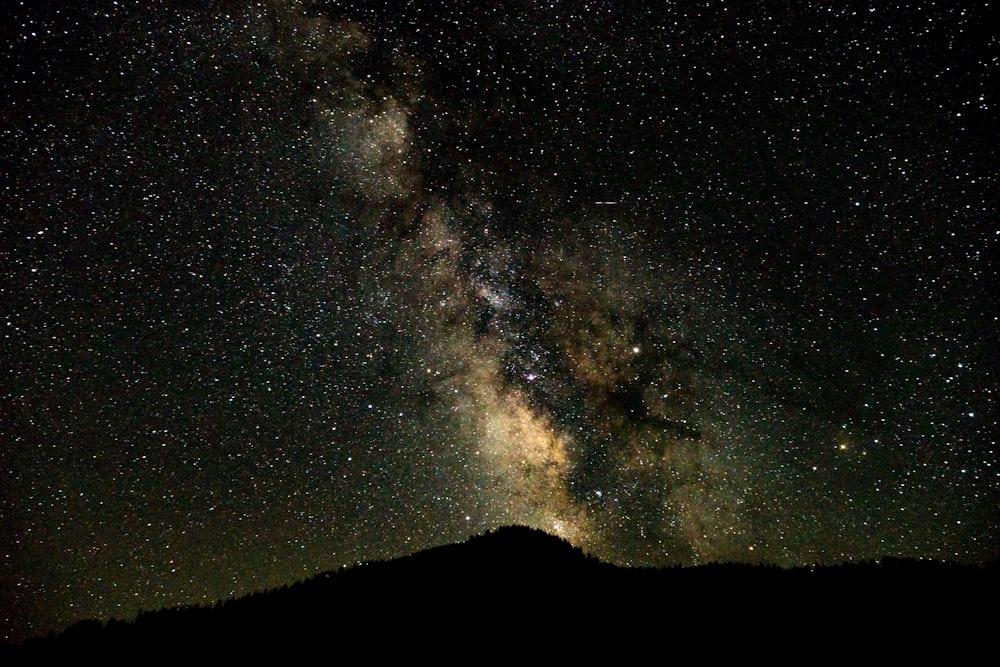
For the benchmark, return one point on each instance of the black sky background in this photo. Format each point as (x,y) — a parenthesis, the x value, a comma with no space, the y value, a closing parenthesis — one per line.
(289,286)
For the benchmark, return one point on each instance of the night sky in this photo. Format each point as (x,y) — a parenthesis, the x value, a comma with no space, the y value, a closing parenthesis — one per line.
(288,286)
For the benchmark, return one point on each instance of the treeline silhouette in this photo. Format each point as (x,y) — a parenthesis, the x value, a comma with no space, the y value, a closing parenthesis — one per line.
(519,582)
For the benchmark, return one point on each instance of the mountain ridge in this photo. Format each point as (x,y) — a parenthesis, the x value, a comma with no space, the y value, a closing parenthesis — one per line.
(517,575)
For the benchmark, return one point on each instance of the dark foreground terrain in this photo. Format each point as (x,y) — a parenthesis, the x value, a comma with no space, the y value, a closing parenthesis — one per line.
(521,585)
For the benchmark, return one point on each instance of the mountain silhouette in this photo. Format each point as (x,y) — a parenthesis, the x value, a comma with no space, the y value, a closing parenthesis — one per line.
(519,583)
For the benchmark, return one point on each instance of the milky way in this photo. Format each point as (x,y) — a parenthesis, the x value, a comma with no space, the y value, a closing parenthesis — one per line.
(288,287)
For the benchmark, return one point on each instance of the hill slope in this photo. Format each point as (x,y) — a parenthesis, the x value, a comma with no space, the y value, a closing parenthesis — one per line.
(519,582)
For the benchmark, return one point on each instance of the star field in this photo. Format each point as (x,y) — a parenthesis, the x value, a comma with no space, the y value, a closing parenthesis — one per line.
(288,286)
